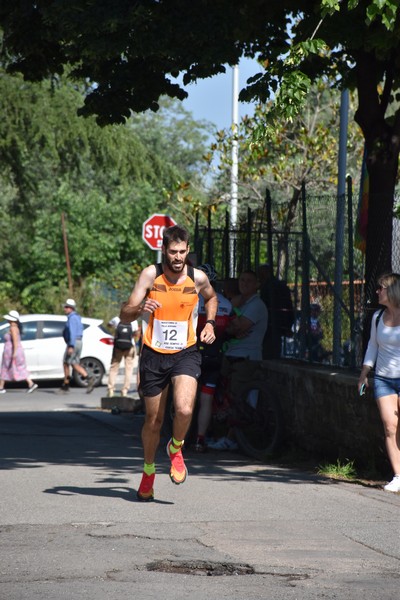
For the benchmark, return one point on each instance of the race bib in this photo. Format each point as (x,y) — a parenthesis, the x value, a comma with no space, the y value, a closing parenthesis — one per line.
(170,335)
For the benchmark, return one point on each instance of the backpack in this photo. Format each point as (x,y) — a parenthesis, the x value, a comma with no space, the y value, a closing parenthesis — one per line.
(123,336)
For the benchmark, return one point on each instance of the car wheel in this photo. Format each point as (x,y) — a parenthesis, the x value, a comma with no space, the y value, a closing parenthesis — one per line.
(93,367)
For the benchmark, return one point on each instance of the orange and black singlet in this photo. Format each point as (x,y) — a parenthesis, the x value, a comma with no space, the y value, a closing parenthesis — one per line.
(172,327)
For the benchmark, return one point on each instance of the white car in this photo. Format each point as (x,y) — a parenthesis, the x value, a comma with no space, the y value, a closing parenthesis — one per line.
(44,346)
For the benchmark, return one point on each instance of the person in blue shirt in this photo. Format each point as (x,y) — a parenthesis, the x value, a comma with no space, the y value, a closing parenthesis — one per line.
(73,333)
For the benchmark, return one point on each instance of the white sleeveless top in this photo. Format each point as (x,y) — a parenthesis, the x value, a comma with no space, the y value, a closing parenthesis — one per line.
(383,349)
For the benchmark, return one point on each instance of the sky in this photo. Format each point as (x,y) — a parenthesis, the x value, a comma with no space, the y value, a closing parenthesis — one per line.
(211,99)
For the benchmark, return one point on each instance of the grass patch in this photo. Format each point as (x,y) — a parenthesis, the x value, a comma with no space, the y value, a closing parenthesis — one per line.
(293,457)
(338,470)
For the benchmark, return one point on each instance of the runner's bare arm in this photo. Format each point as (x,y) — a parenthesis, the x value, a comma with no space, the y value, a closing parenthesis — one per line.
(204,287)
(138,301)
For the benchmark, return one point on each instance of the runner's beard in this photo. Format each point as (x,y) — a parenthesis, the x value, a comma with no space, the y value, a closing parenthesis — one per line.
(175,268)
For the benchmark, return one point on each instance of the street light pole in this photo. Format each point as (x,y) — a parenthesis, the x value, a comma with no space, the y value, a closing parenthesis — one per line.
(235,165)
(235,144)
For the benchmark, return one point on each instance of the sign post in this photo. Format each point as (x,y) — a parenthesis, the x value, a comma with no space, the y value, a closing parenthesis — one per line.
(153,229)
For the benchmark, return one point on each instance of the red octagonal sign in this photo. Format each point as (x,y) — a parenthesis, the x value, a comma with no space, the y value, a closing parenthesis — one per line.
(153,229)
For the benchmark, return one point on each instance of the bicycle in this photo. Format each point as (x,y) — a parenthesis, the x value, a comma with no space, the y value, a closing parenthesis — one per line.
(245,400)
(254,412)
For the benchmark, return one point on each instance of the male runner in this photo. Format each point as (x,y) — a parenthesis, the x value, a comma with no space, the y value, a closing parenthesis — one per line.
(166,295)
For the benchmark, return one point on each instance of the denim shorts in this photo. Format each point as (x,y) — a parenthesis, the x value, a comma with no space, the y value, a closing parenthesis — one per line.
(386,386)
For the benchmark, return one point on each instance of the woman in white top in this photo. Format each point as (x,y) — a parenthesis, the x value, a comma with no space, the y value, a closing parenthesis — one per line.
(383,351)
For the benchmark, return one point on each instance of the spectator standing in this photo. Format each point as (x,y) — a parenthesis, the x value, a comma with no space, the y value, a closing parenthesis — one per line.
(247,329)
(276,295)
(211,358)
(73,333)
(124,348)
(383,351)
(167,296)
(13,364)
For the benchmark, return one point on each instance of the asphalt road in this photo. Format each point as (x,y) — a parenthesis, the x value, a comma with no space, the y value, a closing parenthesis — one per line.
(71,527)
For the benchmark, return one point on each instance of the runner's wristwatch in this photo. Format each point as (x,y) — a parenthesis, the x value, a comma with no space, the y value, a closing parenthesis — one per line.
(212,322)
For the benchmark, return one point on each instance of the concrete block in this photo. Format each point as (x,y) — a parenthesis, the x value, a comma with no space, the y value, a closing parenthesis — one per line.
(122,403)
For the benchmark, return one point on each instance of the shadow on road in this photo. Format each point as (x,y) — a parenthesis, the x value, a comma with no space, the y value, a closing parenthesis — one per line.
(123,493)
(112,445)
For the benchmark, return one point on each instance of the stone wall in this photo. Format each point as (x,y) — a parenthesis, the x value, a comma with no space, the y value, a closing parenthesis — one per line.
(325,416)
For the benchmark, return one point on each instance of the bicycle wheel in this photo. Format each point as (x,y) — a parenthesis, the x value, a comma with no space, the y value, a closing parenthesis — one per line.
(259,426)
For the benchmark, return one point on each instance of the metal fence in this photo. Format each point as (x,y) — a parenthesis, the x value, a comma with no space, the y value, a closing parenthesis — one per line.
(306,257)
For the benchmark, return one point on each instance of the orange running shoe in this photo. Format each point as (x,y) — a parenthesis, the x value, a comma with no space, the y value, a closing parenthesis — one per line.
(145,492)
(178,472)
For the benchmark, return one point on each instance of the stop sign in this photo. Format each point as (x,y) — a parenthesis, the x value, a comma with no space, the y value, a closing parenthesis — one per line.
(153,229)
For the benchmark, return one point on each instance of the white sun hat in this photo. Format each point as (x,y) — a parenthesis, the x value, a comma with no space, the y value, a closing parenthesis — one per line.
(114,322)
(13,315)
(70,303)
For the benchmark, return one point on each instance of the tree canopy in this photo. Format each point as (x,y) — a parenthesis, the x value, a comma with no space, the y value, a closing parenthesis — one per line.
(104,181)
(131,53)
(304,150)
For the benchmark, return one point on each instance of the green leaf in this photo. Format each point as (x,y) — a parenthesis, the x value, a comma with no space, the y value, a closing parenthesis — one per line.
(385,10)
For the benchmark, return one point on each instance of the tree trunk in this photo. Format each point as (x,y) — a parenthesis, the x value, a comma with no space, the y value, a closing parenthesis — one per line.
(287,226)
(383,145)
(379,237)
(379,231)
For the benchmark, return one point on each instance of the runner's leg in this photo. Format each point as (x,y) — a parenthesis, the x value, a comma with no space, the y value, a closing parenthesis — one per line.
(185,389)
(155,409)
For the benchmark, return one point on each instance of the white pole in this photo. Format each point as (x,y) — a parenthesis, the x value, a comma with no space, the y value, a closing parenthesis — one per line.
(235,164)
(235,144)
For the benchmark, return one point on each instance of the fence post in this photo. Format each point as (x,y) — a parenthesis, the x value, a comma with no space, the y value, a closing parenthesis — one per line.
(232,248)
(269,230)
(340,211)
(210,258)
(249,226)
(338,285)
(305,280)
(351,269)
(296,294)
(272,320)
(196,237)
(228,270)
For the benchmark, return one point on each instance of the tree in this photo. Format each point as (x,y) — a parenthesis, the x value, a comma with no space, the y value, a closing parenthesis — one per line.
(131,52)
(106,181)
(304,150)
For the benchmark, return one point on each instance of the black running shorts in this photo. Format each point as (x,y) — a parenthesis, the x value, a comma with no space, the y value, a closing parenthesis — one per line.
(157,369)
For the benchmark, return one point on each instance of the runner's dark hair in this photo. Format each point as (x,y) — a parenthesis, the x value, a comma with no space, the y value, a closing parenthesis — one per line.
(175,234)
